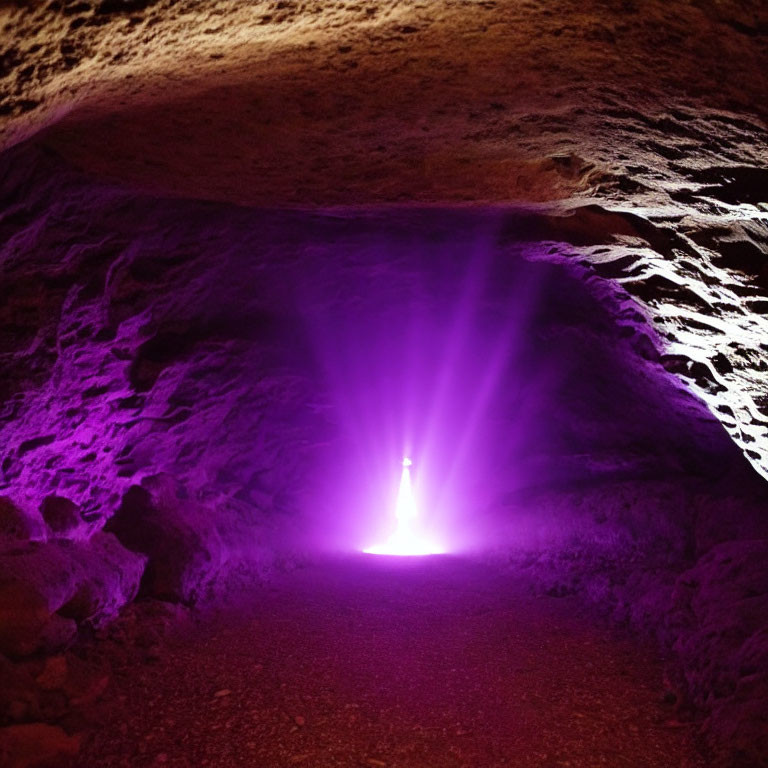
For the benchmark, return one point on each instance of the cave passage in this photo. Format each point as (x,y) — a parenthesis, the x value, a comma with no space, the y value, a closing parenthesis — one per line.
(211,402)
(285,286)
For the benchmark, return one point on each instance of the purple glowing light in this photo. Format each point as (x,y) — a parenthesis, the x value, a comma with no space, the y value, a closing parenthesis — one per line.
(414,371)
(408,538)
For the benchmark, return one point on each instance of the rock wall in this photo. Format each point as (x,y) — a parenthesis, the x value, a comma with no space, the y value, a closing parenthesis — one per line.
(169,415)
(645,124)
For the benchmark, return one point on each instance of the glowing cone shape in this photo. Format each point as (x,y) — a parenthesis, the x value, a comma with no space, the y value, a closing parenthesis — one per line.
(407,539)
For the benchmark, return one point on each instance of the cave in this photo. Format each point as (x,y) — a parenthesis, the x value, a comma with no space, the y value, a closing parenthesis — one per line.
(384,384)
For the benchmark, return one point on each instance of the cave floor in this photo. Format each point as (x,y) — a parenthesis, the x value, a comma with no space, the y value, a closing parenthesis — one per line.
(373,662)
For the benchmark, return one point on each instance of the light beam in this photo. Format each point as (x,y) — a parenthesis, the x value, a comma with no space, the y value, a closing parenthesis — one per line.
(408,538)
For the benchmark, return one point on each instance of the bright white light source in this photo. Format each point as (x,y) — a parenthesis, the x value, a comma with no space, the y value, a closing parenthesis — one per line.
(407,538)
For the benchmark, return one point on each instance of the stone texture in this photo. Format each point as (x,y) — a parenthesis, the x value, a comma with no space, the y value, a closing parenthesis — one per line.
(160,355)
(720,609)
(36,745)
(182,338)
(62,516)
(195,352)
(110,579)
(185,552)
(664,195)
(27,623)
(196,348)
(46,589)
(15,525)
(707,603)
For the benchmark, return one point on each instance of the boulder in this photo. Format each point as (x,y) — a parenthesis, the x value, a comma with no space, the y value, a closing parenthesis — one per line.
(178,536)
(110,576)
(36,579)
(15,525)
(46,589)
(27,624)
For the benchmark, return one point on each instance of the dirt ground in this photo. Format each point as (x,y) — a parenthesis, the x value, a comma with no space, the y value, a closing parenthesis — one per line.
(368,662)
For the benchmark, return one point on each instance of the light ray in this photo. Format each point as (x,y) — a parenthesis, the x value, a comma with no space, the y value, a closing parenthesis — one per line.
(408,538)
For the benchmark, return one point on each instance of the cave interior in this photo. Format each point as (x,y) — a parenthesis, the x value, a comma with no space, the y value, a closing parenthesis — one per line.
(481,283)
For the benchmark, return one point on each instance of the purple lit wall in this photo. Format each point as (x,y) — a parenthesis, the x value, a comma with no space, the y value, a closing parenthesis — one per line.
(497,371)
(283,364)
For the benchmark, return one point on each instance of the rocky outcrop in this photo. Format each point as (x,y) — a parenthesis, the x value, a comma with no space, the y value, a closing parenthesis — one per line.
(58,575)
(179,537)
(719,620)
(701,300)
(47,589)
(704,600)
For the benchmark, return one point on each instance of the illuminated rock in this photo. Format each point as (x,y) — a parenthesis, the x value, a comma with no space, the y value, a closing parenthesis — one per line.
(45,588)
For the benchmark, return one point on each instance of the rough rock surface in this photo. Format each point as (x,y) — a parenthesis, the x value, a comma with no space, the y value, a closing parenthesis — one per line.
(168,383)
(36,744)
(16,525)
(45,588)
(154,325)
(648,118)
(653,565)
(193,339)
(62,516)
(184,549)
(719,614)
